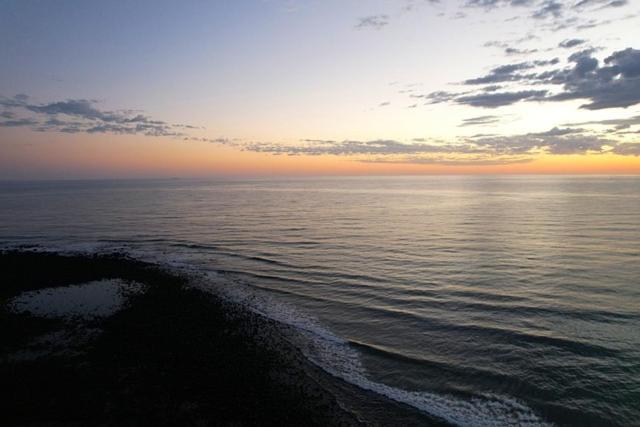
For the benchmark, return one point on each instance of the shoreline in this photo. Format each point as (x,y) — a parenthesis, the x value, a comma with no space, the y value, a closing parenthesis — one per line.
(171,355)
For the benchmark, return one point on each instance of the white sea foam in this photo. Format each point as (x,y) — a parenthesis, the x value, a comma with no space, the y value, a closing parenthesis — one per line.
(66,248)
(330,352)
(335,356)
(100,298)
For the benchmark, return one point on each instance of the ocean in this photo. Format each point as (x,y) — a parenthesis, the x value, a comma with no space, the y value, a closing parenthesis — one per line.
(480,300)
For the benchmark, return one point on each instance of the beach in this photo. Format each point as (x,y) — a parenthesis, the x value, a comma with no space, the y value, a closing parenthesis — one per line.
(170,355)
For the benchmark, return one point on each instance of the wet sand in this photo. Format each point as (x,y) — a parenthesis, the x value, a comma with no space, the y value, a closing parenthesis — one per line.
(172,355)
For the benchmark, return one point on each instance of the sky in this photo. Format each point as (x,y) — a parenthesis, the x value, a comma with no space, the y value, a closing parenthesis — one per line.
(194,88)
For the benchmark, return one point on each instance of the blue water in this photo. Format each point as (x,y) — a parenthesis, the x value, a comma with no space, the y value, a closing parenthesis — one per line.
(510,300)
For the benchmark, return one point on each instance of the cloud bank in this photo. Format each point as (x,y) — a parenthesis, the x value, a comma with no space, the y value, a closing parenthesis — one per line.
(612,83)
(83,116)
(479,149)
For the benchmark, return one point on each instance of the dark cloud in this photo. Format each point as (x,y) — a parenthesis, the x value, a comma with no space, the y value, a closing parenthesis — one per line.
(83,116)
(485,99)
(500,99)
(509,72)
(549,9)
(569,43)
(627,62)
(81,108)
(438,97)
(616,3)
(613,84)
(373,21)
(511,51)
(17,123)
(503,73)
(17,101)
(600,3)
(480,120)
(627,149)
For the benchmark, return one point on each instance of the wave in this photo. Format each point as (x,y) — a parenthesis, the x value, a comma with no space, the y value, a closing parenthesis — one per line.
(320,345)
(339,358)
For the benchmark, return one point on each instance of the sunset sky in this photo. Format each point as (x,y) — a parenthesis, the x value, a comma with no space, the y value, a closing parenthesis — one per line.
(105,89)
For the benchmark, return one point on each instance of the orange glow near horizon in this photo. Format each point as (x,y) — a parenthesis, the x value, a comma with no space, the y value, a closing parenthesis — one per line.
(318,90)
(69,156)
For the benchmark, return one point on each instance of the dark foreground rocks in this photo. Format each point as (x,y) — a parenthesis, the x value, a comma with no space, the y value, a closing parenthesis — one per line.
(173,356)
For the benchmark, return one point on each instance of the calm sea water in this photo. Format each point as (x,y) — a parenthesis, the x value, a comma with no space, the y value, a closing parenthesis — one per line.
(504,300)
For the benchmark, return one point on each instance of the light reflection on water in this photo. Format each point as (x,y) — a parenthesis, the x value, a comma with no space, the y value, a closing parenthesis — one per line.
(520,286)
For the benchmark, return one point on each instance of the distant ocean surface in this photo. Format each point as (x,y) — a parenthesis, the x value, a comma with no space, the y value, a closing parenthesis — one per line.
(480,300)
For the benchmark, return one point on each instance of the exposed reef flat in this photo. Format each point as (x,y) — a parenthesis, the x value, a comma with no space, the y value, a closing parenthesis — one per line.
(156,352)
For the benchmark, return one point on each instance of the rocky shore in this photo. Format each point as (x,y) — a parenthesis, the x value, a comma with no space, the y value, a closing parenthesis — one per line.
(169,354)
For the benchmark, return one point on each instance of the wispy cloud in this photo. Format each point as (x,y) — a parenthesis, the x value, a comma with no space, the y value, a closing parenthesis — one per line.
(549,9)
(480,120)
(379,21)
(375,22)
(478,149)
(18,123)
(569,43)
(617,124)
(492,4)
(486,99)
(351,148)
(600,3)
(628,149)
(512,51)
(508,72)
(84,116)
(470,161)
